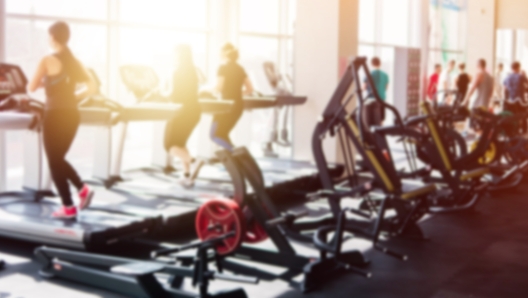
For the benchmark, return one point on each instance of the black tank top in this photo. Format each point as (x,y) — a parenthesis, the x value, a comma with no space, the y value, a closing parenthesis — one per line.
(60,88)
(185,86)
(463,83)
(234,76)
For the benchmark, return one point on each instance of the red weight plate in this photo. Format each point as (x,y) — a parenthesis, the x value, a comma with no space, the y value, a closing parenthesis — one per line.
(218,217)
(255,233)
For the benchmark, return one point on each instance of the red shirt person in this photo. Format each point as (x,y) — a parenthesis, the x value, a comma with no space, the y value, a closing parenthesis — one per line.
(432,87)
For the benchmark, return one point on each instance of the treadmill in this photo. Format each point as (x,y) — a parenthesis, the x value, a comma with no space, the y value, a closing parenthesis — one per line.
(143,82)
(159,110)
(28,217)
(282,86)
(130,199)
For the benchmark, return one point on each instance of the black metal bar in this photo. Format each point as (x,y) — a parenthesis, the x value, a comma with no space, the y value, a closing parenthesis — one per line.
(201,244)
(272,258)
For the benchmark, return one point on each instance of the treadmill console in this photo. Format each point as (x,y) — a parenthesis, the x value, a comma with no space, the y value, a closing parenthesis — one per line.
(12,80)
(140,79)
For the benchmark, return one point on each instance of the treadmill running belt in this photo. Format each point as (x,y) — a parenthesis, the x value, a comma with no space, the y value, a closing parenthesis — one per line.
(32,221)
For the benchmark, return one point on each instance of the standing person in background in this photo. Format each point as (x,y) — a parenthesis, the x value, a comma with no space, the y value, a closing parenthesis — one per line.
(233,83)
(483,84)
(498,91)
(432,87)
(178,129)
(381,83)
(515,86)
(462,82)
(60,74)
(447,80)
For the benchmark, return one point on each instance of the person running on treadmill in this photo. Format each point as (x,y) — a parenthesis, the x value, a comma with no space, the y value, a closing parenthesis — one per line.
(60,74)
(483,84)
(179,128)
(432,87)
(462,82)
(233,83)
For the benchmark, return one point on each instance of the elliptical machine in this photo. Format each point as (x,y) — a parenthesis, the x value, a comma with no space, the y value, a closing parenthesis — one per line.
(349,124)
(254,218)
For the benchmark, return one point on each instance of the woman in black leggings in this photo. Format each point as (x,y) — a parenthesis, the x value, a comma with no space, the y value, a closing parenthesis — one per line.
(179,128)
(233,83)
(60,73)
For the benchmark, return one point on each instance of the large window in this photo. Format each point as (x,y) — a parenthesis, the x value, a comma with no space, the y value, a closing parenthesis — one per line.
(447,31)
(386,24)
(174,13)
(511,45)
(522,47)
(97,9)
(109,33)
(265,35)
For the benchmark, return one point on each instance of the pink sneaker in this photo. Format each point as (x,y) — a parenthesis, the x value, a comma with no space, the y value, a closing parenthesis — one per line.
(85,195)
(65,212)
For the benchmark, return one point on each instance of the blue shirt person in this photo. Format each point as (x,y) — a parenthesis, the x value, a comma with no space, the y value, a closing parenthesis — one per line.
(380,78)
(515,83)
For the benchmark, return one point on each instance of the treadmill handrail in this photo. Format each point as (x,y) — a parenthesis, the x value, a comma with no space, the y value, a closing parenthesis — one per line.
(216,106)
(16,120)
(149,112)
(95,116)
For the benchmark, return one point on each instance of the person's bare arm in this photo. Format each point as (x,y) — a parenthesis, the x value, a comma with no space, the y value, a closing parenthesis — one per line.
(478,79)
(37,80)
(248,87)
(91,85)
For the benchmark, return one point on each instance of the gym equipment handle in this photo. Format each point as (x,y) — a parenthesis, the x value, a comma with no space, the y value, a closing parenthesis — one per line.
(236,278)
(286,218)
(201,244)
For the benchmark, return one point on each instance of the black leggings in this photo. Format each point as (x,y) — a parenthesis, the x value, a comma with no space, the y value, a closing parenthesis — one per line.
(223,124)
(59,129)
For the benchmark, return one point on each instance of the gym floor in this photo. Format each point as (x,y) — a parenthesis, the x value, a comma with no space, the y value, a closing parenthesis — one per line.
(478,254)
